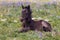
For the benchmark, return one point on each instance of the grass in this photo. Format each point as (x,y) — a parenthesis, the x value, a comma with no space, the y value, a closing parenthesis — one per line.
(10,23)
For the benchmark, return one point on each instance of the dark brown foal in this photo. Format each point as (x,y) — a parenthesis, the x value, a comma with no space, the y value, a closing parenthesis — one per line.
(29,24)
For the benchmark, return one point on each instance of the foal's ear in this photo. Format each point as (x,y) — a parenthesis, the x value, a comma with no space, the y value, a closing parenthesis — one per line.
(22,7)
(28,6)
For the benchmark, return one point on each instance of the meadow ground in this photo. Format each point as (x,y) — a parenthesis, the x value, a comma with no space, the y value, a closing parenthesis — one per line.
(10,22)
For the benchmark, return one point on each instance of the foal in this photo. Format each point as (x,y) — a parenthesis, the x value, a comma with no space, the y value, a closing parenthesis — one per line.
(29,24)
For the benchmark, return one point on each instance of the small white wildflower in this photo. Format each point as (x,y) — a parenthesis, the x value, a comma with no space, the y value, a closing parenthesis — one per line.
(41,10)
(39,18)
(15,20)
(33,18)
(1,15)
(3,20)
(46,20)
(14,38)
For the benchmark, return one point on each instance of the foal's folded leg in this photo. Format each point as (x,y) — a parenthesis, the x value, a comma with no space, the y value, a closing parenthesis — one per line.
(25,29)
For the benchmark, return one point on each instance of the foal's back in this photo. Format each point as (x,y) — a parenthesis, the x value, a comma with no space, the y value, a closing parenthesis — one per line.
(41,25)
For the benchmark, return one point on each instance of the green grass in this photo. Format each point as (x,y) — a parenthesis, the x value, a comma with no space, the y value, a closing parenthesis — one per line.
(10,23)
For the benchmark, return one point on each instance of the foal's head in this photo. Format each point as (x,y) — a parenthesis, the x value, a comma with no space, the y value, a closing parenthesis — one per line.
(26,11)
